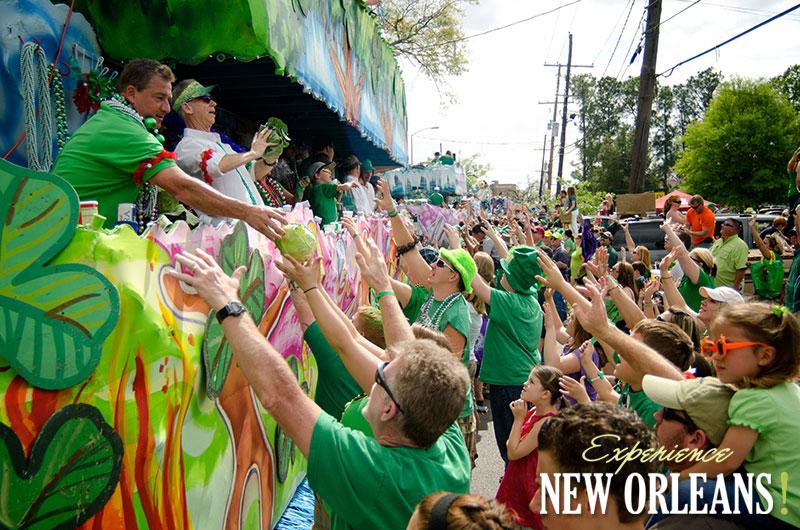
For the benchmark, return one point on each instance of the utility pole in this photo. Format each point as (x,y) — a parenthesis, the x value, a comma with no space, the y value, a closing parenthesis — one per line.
(647,90)
(562,146)
(553,134)
(541,177)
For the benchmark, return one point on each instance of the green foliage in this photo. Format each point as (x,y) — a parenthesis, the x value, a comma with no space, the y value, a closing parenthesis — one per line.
(788,83)
(737,154)
(73,469)
(423,32)
(217,354)
(474,170)
(588,200)
(53,319)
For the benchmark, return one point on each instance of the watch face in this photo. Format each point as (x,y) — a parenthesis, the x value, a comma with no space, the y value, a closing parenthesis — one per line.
(236,308)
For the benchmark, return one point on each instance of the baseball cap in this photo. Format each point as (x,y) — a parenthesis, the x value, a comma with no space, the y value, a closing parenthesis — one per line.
(539,230)
(725,295)
(705,400)
(315,168)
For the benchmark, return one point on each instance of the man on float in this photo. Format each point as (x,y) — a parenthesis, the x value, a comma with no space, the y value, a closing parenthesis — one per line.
(114,159)
(202,153)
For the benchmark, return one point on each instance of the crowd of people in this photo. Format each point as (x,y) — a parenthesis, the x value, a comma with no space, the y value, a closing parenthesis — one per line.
(575,346)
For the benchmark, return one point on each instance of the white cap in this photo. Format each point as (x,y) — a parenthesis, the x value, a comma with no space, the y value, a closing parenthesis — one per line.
(436,188)
(725,295)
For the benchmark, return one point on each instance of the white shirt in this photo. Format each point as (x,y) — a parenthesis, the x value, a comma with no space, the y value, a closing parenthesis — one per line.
(363,202)
(198,146)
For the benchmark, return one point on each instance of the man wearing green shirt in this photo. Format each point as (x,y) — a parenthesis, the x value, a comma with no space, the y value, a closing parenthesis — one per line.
(730,256)
(114,159)
(511,345)
(414,400)
(436,198)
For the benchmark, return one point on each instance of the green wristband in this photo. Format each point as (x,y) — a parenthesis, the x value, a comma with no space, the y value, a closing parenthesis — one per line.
(382,294)
(600,375)
(393,213)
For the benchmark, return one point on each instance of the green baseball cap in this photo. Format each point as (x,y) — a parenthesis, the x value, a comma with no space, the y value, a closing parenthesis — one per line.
(521,268)
(366,165)
(463,263)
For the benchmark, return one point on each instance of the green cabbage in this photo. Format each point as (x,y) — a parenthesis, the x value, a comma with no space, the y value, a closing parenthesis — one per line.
(279,136)
(298,242)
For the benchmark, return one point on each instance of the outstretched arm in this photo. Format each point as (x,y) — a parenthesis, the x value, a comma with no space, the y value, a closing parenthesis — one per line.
(762,246)
(688,265)
(265,369)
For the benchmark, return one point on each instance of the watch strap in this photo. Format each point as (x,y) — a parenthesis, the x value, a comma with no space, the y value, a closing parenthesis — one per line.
(231,309)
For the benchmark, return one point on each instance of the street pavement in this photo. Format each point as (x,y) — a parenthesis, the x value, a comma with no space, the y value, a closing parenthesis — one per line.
(489,466)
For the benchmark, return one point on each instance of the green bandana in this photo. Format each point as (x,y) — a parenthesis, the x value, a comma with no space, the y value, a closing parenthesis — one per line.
(192,91)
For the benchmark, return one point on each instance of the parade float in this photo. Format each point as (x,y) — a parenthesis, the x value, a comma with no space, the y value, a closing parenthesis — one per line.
(123,406)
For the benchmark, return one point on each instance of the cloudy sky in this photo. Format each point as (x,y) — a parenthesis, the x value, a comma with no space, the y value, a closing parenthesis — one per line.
(498,114)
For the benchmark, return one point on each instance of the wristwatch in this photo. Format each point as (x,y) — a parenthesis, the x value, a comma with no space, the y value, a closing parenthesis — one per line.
(233,308)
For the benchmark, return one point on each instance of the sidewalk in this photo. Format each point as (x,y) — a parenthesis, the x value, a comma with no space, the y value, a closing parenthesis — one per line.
(489,466)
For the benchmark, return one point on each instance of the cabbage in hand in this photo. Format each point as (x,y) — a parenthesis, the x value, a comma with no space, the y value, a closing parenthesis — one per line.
(279,136)
(298,242)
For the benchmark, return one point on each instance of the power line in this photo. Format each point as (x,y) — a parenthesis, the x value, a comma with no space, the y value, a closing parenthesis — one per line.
(503,27)
(614,29)
(720,45)
(618,39)
(678,13)
(739,9)
(623,68)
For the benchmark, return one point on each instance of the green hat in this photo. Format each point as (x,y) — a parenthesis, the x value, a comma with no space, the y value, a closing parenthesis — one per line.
(192,90)
(521,268)
(366,165)
(463,263)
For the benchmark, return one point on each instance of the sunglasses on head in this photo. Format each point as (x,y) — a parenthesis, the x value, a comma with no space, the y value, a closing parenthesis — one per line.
(721,346)
(679,416)
(380,380)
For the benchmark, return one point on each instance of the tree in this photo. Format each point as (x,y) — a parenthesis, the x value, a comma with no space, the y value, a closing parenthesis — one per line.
(737,154)
(664,148)
(693,97)
(474,170)
(427,33)
(788,83)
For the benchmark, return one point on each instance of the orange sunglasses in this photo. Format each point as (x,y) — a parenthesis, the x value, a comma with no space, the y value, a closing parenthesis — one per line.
(721,346)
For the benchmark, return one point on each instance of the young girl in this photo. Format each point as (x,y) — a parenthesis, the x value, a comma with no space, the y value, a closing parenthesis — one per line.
(519,481)
(757,348)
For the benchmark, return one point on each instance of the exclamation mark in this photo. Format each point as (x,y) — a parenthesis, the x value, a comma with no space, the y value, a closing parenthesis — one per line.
(784,487)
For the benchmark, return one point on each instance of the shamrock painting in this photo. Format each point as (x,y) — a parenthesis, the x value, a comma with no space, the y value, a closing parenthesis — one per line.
(53,318)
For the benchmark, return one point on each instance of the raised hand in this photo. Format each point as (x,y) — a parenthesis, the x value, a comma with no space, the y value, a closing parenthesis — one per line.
(453,239)
(208,279)
(383,199)
(666,262)
(373,266)
(350,225)
(752,224)
(306,275)
(592,317)
(551,274)
(574,389)
(261,142)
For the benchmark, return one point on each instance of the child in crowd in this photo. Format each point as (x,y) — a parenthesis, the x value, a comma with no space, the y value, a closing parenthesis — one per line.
(757,348)
(478,322)
(451,511)
(519,483)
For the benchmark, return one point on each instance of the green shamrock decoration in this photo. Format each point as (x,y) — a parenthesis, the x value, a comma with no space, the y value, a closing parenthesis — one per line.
(72,471)
(233,253)
(53,318)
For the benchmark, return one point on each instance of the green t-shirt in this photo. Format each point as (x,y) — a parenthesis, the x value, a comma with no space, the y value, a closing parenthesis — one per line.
(353,417)
(457,316)
(691,291)
(773,413)
(367,485)
(569,245)
(613,256)
(100,160)
(511,345)
(335,386)
(323,202)
(639,403)
(792,299)
(729,256)
(575,262)
(612,311)
(436,199)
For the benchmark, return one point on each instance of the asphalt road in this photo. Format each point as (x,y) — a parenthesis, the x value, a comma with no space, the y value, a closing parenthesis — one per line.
(489,466)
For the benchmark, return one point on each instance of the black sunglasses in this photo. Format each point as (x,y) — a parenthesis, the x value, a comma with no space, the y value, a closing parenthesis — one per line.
(380,380)
(443,264)
(676,415)
(729,225)
(207,98)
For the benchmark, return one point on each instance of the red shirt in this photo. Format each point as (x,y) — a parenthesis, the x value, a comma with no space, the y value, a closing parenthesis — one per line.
(701,221)
(519,481)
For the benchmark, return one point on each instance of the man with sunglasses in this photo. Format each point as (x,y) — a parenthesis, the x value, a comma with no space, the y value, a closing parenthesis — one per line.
(203,154)
(730,256)
(114,159)
(700,222)
(694,417)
